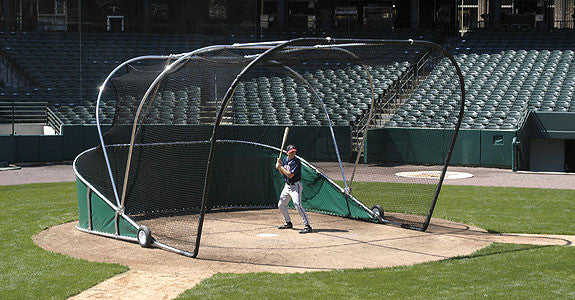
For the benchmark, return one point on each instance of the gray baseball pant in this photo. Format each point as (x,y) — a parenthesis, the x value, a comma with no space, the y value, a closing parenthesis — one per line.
(292,192)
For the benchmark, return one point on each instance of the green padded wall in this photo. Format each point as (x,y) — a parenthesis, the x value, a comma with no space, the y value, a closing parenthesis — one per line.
(430,146)
(467,149)
(496,147)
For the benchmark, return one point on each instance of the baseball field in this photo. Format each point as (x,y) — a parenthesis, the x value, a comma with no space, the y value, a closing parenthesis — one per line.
(499,262)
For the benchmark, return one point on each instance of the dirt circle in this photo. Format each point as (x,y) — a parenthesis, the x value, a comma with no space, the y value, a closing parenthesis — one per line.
(248,241)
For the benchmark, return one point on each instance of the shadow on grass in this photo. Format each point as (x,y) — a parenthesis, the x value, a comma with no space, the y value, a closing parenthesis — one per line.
(489,251)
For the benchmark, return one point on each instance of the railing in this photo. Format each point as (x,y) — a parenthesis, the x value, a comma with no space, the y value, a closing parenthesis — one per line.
(390,100)
(568,24)
(53,121)
(12,75)
(523,119)
(408,82)
(22,113)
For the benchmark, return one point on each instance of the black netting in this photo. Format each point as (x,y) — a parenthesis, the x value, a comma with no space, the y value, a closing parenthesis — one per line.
(416,96)
(405,96)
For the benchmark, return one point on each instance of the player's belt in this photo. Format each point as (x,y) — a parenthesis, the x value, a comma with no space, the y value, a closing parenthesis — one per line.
(292,183)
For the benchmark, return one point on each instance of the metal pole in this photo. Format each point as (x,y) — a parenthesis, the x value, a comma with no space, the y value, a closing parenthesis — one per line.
(462,2)
(13,114)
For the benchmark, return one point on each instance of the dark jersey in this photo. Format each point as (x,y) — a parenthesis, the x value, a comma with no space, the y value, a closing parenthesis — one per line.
(294,166)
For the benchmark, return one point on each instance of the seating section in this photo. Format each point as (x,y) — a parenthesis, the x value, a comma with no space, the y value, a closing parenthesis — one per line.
(65,69)
(172,108)
(346,94)
(265,100)
(506,75)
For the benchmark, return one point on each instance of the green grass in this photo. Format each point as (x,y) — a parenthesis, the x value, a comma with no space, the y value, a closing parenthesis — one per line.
(496,272)
(27,271)
(498,209)
(518,210)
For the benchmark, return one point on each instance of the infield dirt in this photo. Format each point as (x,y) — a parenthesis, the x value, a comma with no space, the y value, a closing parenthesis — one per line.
(232,242)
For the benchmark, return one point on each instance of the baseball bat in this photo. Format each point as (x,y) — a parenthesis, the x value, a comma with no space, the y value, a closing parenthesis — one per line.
(283,141)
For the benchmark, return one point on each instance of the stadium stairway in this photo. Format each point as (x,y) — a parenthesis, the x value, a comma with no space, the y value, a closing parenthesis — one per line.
(507,76)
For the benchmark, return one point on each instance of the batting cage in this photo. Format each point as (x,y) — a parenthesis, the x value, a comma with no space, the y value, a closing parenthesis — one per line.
(198,133)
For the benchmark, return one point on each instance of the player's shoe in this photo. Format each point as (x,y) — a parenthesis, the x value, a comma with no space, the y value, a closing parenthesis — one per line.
(307,229)
(287,225)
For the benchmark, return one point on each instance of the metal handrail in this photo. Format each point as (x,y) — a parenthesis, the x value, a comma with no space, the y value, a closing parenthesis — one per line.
(24,112)
(18,77)
(53,121)
(523,119)
(391,94)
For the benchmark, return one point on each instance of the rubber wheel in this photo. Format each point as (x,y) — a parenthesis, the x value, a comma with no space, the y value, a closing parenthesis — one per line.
(377,210)
(144,236)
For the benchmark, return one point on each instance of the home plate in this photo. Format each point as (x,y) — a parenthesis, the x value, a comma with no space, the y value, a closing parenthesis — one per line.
(267,235)
(434,174)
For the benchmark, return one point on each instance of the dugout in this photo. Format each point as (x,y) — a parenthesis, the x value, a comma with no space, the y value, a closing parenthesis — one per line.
(547,142)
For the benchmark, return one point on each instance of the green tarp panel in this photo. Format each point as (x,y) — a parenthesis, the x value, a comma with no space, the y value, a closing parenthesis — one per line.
(102,214)
(83,213)
(245,175)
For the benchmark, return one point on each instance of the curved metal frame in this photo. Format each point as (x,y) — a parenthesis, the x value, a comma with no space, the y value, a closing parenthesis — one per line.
(330,43)
(314,91)
(269,47)
(98,125)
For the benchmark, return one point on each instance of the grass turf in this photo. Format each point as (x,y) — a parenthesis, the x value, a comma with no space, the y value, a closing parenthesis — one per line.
(512,271)
(497,209)
(498,271)
(27,271)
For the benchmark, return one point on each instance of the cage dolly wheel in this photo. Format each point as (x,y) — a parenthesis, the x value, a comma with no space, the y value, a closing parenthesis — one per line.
(144,236)
(378,211)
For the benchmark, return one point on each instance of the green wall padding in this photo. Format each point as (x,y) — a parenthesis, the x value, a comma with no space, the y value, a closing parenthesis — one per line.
(496,147)
(467,150)
(27,148)
(8,146)
(428,146)
(315,141)
(50,148)
(405,145)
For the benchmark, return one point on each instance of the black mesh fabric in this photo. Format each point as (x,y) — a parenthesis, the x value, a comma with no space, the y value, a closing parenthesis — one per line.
(332,85)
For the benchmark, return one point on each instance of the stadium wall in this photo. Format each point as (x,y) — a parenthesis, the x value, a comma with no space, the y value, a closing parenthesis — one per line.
(313,142)
(490,148)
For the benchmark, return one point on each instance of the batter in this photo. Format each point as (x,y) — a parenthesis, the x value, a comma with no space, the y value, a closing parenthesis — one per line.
(290,168)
